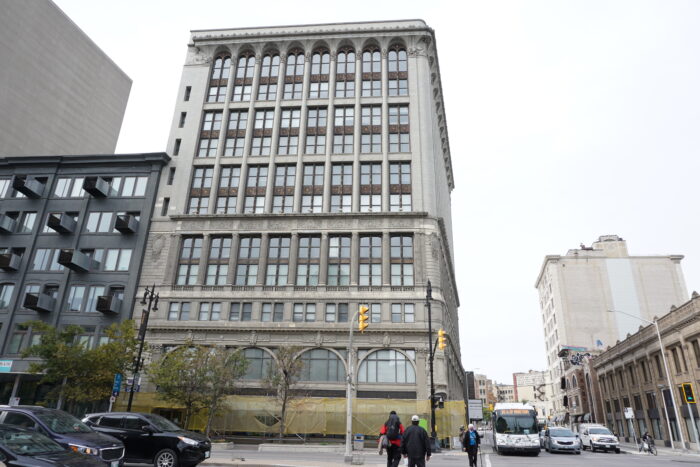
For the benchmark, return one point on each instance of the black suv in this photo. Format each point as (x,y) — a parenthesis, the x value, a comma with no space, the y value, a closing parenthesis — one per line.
(66,430)
(23,448)
(151,438)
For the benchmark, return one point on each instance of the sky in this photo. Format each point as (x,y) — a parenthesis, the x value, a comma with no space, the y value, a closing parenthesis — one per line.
(567,119)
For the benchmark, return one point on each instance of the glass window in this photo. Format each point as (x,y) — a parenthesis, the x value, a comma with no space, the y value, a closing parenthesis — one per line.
(76,295)
(278,261)
(386,366)
(248,258)
(235,136)
(371,187)
(294,75)
(345,74)
(256,184)
(371,72)
(219,254)
(227,197)
(399,129)
(117,260)
(398,71)
(371,139)
(321,365)
(400,186)
(316,122)
(243,83)
(401,260)
(218,80)
(283,192)
(343,130)
(188,267)
(269,72)
(308,260)
(259,362)
(93,293)
(27,223)
(6,295)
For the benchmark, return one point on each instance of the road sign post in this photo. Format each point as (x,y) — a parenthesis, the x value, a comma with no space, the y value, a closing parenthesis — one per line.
(116,387)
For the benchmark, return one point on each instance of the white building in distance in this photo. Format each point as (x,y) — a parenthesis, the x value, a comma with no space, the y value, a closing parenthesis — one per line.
(577,290)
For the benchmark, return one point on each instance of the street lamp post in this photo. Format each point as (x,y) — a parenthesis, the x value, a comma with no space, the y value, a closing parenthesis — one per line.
(668,381)
(433,432)
(151,299)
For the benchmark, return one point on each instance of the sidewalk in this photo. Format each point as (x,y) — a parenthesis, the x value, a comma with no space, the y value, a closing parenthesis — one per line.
(630,448)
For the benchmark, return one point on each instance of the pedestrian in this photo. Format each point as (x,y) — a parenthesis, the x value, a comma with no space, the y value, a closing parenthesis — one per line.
(461,438)
(393,429)
(415,444)
(472,440)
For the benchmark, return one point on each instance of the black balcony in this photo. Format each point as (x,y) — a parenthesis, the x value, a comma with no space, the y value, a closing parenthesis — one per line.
(7,224)
(10,261)
(108,304)
(76,261)
(62,223)
(39,302)
(96,186)
(28,186)
(126,224)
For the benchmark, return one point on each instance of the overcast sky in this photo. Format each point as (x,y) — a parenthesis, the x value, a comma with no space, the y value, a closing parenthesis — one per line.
(567,120)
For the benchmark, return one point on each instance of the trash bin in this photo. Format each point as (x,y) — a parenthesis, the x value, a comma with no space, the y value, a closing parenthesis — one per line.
(359,442)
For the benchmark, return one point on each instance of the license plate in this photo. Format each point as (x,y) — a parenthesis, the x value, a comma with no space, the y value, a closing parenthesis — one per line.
(114,464)
(608,446)
(207,454)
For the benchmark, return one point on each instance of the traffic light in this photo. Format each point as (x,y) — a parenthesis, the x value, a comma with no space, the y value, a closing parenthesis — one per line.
(688,393)
(362,318)
(441,339)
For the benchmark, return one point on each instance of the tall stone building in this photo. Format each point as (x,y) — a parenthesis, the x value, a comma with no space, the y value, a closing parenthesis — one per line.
(61,94)
(311,175)
(577,290)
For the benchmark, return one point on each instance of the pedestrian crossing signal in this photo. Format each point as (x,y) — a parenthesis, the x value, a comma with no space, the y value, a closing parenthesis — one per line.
(688,393)
(441,339)
(362,318)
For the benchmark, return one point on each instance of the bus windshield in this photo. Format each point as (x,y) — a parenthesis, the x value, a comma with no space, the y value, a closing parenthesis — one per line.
(516,424)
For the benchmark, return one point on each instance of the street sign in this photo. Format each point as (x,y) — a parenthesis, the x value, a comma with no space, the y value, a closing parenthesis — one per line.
(475,409)
(116,387)
(112,399)
(629,413)
(5,366)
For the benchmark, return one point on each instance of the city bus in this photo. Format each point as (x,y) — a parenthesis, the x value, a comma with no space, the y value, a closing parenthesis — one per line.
(515,429)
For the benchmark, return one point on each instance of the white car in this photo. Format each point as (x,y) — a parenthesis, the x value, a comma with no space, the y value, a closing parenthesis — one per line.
(598,437)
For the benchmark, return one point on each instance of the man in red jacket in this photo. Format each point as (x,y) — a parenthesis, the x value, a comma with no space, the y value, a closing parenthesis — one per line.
(393,429)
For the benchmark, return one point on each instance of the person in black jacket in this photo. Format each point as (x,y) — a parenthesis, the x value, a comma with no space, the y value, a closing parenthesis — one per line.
(415,444)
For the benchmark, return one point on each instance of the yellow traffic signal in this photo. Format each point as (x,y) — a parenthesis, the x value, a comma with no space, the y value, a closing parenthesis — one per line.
(441,339)
(688,393)
(363,318)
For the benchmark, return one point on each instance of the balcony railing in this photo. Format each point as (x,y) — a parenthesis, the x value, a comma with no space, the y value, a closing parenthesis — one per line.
(108,304)
(10,261)
(62,223)
(96,186)
(39,302)
(76,260)
(126,224)
(7,224)
(29,186)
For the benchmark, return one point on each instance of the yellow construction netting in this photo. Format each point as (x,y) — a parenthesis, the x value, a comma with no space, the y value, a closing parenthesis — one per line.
(312,415)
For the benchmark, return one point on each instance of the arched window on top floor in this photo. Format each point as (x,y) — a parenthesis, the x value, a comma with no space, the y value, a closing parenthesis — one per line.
(294,75)
(269,74)
(345,73)
(371,72)
(243,83)
(321,365)
(398,71)
(218,81)
(320,70)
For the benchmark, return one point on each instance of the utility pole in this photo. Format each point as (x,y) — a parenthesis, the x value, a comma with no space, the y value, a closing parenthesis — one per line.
(361,316)
(433,431)
(150,298)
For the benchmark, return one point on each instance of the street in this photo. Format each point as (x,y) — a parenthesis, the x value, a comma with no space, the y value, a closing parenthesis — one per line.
(249,455)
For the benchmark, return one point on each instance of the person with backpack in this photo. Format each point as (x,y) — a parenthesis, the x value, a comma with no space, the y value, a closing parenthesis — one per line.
(415,445)
(392,430)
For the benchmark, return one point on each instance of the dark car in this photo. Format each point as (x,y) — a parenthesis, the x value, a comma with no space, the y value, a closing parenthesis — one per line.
(24,448)
(150,438)
(66,430)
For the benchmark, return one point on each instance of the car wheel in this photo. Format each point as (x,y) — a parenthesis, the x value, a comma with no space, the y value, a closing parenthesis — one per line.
(578,452)
(165,458)
(592,448)
(617,451)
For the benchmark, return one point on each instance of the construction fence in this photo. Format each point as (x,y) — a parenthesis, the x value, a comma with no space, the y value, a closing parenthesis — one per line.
(306,416)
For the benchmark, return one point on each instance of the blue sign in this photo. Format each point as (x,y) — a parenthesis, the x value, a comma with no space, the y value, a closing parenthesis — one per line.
(116,387)
(5,366)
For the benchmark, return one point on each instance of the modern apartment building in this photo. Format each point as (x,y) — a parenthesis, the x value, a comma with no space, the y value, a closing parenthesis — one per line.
(311,174)
(72,234)
(61,93)
(577,290)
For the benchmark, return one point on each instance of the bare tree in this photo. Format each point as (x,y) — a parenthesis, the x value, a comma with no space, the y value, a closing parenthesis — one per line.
(281,377)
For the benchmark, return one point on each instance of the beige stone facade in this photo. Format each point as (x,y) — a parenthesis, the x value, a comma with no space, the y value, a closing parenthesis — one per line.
(631,374)
(334,194)
(577,289)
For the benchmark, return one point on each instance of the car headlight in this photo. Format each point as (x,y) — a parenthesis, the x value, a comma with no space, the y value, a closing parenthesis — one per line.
(187,440)
(84,449)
